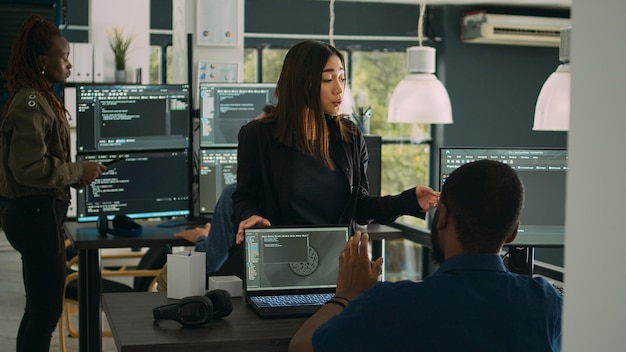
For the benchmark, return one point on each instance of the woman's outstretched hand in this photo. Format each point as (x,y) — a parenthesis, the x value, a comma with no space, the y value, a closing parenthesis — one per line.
(427,197)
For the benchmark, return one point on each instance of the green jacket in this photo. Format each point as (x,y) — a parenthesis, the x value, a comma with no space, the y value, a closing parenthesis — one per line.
(34,155)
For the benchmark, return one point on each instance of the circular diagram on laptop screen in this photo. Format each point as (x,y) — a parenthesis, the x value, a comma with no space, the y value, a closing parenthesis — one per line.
(306,268)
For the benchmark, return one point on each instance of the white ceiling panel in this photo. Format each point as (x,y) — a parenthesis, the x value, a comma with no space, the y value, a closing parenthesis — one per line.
(564,4)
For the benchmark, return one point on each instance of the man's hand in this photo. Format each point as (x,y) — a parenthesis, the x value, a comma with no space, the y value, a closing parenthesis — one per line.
(356,271)
(192,235)
(356,274)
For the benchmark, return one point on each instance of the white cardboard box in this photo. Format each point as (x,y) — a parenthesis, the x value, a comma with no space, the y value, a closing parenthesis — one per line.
(230,283)
(186,274)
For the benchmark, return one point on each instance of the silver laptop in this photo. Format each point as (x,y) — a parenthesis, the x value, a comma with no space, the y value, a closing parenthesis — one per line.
(291,271)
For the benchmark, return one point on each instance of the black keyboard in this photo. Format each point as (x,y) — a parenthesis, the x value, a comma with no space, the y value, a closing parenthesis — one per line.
(317,299)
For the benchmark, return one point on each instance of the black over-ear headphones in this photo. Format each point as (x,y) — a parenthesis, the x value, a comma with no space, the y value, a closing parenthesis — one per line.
(196,310)
(122,226)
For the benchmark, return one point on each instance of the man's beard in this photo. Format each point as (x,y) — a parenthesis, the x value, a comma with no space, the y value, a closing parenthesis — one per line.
(437,253)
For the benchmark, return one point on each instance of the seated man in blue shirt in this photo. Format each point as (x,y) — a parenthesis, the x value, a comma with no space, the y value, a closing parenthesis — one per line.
(218,245)
(471,303)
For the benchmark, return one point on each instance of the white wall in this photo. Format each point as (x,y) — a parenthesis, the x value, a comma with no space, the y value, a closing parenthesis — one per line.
(133,16)
(214,14)
(595,270)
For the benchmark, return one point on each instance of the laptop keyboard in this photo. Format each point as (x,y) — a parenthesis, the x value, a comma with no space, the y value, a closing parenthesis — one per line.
(317,299)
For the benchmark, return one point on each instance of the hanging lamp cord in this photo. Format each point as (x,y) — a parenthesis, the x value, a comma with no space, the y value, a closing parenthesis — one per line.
(420,22)
(331,25)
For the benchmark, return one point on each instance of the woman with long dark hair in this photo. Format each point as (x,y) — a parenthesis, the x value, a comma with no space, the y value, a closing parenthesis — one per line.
(304,163)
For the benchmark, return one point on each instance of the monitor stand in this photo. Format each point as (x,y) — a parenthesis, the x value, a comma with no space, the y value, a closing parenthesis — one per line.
(521,260)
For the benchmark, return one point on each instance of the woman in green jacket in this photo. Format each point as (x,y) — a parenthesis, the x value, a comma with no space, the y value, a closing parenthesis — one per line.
(36,173)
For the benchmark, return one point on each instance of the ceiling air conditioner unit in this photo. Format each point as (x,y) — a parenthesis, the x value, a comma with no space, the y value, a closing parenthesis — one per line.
(483,28)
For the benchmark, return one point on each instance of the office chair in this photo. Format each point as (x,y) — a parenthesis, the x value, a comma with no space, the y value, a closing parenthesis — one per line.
(144,275)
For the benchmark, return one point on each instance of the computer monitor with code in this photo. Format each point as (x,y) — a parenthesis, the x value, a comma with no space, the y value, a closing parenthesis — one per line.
(543,173)
(225,107)
(217,169)
(132,117)
(147,184)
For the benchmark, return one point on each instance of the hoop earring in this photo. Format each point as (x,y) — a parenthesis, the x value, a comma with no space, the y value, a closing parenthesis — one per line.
(43,71)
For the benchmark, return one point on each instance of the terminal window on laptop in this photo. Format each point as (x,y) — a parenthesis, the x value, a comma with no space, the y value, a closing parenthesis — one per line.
(291,271)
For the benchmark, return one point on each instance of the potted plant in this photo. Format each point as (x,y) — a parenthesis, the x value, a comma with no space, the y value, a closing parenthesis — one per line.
(119,43)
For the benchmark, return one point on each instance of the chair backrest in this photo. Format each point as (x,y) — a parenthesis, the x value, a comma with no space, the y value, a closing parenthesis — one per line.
(155,258)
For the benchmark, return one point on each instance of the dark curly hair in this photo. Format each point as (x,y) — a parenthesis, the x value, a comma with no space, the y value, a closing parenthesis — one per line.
(485,199)
(34,39)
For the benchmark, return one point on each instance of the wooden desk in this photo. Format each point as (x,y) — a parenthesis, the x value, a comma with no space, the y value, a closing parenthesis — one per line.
(132,324)
(87,241)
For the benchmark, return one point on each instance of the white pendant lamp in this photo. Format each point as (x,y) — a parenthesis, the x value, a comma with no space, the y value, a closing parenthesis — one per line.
(420,97)
(553,104)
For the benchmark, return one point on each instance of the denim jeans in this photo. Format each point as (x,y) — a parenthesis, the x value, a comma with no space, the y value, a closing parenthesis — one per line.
(221,234)
(33,226)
